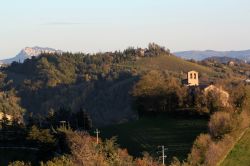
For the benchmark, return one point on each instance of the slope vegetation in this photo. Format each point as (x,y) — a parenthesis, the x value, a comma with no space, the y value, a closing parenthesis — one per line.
(170,63)
(241,152)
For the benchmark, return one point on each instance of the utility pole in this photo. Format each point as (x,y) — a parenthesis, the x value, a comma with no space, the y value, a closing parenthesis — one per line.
(163,156)
(97,132)
(63,124)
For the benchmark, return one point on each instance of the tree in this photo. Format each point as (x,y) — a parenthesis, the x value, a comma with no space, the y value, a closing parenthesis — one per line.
(83,120)
(10,105)
(43,139)
(156,50)
(213,101)
(199,150)
(238,96)
(157,93)
(220,124)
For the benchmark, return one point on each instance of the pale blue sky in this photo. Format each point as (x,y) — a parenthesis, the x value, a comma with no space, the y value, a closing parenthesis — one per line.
(101,25)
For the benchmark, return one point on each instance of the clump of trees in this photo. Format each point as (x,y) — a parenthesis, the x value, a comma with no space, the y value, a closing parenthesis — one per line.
(82,150)
(43,139)
(79,120)
(222,123)
(85,151)
(156,92)
(40,136)
(10,106)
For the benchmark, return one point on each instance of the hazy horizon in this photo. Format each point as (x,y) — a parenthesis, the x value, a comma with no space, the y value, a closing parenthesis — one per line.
(93,26)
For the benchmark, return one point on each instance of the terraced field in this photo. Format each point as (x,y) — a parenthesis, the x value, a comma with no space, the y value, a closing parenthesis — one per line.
(146,134)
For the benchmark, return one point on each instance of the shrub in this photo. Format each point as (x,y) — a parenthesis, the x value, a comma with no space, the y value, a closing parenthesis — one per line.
(220,124)
(217,150)
(175,162)
(199,149)
(41,136)
(146,160)
(59,161)
(19,163)
(238,94)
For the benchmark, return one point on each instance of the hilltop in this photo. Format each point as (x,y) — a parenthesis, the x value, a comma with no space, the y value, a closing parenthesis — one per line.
(171,63)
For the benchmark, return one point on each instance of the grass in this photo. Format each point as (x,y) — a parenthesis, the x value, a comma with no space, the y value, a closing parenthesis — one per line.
(170,63)
(146,134)
(10,155)
(240,155)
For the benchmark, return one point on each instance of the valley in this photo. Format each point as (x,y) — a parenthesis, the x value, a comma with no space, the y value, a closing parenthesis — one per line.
(147,134)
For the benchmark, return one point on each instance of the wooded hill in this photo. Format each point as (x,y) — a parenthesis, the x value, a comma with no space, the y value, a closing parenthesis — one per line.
(100,83)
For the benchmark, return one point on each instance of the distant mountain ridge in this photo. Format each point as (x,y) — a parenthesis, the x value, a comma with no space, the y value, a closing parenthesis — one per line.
(29,52)
(201,55)
(224,59)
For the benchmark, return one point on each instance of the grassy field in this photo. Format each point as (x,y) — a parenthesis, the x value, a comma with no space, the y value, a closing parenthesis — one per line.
(10,155)
(240,155)
(177,134)
(171,63)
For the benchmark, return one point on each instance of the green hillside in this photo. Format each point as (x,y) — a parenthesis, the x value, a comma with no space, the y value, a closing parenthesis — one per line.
(240,154)
(101,83)
(170,63)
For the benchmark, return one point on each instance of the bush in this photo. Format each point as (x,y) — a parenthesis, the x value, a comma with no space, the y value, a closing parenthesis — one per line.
(19,163)
(199,149)
(238,94)
(220,124)
(217,150)
(41,136)
(175,162)
(85,151)
(59,161)
(146,160)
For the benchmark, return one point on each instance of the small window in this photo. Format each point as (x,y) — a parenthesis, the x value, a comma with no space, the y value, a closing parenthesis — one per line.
(194,75)
(191,76)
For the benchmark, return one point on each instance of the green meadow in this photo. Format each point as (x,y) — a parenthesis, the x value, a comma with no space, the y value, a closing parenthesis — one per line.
(146,134)
(240,155)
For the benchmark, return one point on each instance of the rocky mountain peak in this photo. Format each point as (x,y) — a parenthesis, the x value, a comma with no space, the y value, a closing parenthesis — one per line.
(29,52)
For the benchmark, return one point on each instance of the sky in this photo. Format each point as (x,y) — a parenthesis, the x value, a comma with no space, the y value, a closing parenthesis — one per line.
(107,25)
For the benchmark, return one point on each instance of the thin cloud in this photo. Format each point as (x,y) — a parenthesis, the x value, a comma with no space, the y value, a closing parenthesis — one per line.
(63,23)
